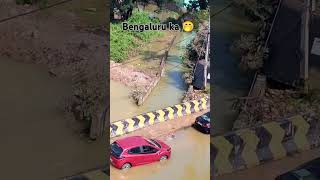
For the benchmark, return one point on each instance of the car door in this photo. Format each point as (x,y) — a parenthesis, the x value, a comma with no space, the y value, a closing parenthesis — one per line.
(150,154)
(135,156)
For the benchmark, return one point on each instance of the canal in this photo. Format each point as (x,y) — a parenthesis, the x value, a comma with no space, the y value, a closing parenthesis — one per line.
(169,91)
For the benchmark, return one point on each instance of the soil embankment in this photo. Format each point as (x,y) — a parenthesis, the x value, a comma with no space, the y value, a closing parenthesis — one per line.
(140,71)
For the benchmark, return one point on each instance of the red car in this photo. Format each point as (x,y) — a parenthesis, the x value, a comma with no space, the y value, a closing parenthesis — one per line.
(137,150)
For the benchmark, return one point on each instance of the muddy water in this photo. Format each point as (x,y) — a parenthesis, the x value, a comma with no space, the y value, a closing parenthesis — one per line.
(190,160)
(228,81)
(37,141)
(168,92)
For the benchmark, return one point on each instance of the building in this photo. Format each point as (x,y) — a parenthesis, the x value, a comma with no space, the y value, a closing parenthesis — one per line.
(283,64)
(198,75)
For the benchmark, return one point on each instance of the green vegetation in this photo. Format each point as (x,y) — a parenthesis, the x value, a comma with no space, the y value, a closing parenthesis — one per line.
(195,5)
(123,42)
(197,17)
(251,46)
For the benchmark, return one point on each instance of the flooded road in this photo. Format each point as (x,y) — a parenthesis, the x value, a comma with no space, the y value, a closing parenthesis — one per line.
(228,81)
(190,160)
(168,92)
(37,142)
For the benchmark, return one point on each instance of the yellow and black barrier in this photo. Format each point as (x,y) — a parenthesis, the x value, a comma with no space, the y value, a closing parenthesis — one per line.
(250,147)
(124,126)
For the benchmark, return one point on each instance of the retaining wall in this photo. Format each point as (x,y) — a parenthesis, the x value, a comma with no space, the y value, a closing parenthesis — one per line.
(124,126)
(250,147)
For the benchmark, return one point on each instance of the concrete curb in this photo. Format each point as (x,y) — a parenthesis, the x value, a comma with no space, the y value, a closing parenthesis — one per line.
(251,147)
(125,126)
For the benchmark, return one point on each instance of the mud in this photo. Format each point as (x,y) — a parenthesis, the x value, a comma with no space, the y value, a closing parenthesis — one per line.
(39,55)
(38,140)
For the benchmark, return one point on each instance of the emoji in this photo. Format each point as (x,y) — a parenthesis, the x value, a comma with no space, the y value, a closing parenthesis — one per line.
(187,26)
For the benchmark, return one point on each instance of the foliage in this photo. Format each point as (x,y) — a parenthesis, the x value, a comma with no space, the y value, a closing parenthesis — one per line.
(196,5)
(256,9)
(122,42)
(251,56)
(196,50)
(250,46)
(125,8)
(245,43)
(200,17)
(160,3)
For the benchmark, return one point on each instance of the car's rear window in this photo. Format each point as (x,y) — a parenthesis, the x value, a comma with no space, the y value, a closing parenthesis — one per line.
(116,150)
(206,118)
(154,143)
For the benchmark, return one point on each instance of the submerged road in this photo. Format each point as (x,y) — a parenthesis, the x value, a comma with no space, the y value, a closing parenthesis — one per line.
(190,153)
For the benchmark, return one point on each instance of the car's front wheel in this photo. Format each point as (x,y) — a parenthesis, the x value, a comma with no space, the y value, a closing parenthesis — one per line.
(163,158)
(126,166)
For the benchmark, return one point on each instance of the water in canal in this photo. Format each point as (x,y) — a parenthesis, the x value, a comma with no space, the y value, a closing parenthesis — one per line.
(190,160)
(168,92)
(36,140)
(228,81)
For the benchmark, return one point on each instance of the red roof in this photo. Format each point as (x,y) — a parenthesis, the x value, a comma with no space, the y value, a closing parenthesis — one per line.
(132,141)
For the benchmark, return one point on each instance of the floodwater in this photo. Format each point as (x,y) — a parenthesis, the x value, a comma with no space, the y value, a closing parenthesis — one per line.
(190,160)
(228,81)
(190,149)
(168,92)
(37,142)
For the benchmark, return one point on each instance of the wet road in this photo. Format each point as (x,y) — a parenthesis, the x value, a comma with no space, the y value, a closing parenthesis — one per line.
(228,81)
(190,160)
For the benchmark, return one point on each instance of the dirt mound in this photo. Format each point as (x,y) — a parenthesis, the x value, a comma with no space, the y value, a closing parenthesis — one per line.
(129,76)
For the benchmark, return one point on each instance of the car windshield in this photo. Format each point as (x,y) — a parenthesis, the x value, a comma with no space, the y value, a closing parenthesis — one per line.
(206,118)
(116,150)
(304,174)
(154,143)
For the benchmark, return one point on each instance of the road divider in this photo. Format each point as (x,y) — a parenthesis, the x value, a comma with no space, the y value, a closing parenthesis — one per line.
(125,126)
(250,147)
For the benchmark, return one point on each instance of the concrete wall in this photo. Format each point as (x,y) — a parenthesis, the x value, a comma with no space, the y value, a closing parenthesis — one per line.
(250,147)
(124,126)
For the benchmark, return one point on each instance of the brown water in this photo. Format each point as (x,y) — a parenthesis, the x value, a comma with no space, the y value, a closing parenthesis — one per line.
(228,81)
(190,160)
(168,92)
(36,140)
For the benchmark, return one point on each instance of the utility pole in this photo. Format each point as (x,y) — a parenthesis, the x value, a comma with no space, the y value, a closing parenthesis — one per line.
(304,63)
(207,57)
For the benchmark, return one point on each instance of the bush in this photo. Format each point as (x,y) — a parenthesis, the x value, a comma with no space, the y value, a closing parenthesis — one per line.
(122,42)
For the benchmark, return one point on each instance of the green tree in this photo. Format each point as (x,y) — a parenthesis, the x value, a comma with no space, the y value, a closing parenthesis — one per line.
(196,5)
(125,8)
